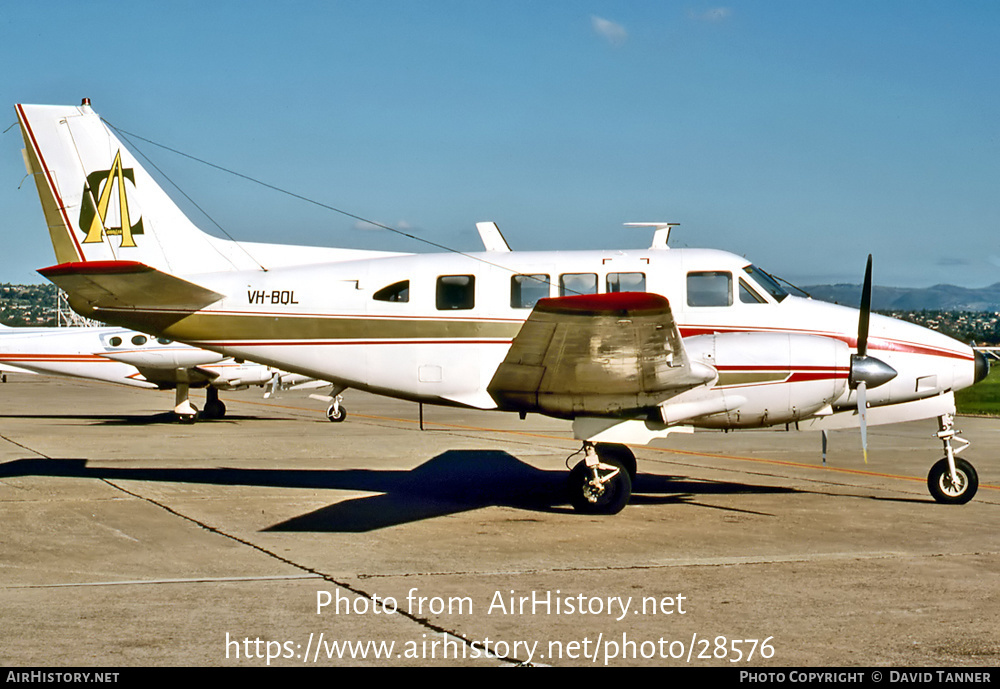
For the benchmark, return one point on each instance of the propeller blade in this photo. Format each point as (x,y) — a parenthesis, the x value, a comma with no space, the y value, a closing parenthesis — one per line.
(863,417)
(866,309)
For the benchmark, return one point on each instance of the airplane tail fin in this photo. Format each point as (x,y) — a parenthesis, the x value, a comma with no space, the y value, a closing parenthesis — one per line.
(101,205)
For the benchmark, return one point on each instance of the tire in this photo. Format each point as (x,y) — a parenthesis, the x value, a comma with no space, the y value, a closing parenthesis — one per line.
(337,415)
(611,500)
(214,410)
(940,485)
(189,418)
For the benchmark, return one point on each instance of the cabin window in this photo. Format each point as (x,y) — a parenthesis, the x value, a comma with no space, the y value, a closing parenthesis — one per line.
(577,283)
(526,290)
(115,341)
(710,288)
(626,282)
(139,340)
(767,282)
(456,292)
(748,295)
(163,340)
(397,291)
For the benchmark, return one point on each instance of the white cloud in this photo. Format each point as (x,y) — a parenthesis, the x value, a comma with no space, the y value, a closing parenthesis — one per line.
(613,33)
(715,14)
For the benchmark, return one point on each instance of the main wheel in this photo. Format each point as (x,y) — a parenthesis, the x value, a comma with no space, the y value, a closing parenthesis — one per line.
(336,414)
(608,493)
(189,418)
(950,492)
(214,409)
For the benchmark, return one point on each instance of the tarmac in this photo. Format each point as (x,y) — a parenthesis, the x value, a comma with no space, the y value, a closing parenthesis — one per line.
(274,537)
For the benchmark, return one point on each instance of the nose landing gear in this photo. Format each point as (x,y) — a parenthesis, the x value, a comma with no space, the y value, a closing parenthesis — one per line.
(952,481)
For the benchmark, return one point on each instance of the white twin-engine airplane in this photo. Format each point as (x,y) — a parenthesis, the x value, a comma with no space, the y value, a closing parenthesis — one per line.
(629,345)
(116,355)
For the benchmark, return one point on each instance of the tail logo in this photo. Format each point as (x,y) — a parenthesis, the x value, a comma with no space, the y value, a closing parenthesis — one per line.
(96,205)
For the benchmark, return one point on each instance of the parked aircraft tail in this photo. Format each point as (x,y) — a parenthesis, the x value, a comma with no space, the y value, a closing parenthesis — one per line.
(101,205)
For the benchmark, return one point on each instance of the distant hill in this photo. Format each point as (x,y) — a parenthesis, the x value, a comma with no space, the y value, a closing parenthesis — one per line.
(936,298)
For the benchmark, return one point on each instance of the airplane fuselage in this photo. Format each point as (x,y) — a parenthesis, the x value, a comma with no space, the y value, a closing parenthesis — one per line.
(435,328)
(116,355)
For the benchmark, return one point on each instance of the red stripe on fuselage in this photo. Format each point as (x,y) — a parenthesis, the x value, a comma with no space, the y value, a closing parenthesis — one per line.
(63,358)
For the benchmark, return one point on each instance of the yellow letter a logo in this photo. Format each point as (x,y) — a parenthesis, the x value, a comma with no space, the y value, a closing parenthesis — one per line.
(94,219)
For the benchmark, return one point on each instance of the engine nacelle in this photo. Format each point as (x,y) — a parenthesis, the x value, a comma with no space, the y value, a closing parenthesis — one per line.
(771,378)
(173,357)
(242,375)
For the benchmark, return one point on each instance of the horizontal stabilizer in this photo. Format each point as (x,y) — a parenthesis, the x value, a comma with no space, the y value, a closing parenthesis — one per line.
(118,285)
(616,354)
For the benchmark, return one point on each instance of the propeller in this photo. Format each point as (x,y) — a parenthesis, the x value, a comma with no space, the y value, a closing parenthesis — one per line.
(866,371)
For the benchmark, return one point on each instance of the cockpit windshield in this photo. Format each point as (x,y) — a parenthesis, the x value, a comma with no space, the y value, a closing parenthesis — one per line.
(768,283)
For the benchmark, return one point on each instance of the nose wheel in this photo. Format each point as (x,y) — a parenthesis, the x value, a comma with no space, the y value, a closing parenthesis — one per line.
(952,481)
(953,489)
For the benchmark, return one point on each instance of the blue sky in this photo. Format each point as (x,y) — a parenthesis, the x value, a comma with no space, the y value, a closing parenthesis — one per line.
(801,134)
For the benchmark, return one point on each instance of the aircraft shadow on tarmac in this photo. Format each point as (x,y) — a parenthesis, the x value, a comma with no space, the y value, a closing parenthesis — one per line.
(454,481)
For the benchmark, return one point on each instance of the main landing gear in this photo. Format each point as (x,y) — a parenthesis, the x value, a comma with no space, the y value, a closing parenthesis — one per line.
(183,409)
(336,412)
(214,407)
(601,483)
(188,413)
(951,480)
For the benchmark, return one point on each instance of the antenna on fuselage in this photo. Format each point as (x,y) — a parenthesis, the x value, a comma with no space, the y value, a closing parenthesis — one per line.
(661,235)
(492,238)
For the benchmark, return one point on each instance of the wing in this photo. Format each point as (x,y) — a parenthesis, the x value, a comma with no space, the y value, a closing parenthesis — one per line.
(617,355)
(6,368)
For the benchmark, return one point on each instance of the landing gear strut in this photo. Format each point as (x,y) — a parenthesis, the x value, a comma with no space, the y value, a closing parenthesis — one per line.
(600,483)
(952,481)
(185,411)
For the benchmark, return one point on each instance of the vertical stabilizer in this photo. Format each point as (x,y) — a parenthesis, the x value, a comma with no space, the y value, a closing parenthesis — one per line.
(100,204)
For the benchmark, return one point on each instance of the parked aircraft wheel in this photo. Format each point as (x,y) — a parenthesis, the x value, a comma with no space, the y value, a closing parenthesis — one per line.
(336,413)
(608,493)
(214,409)
(189,418)
(622,453)
(951,492)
